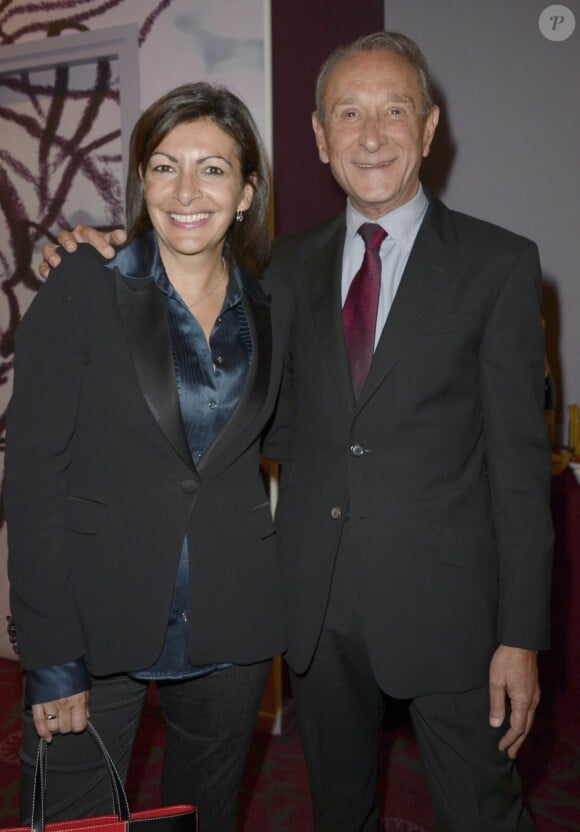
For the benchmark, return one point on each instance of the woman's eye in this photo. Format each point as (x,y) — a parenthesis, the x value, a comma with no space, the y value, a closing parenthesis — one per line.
(213,170)
(162,169)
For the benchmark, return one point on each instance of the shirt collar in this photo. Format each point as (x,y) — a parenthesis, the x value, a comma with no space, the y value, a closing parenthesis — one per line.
(140,260)
(402,224)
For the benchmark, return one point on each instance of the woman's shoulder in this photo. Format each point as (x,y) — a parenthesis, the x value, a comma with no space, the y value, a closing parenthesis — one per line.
(85,263)
(70,285)
(78,273)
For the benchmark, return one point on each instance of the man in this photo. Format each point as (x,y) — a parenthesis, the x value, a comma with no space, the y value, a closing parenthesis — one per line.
(413,520)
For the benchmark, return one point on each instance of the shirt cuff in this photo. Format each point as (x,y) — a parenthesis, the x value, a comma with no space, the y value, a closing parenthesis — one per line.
(56,682)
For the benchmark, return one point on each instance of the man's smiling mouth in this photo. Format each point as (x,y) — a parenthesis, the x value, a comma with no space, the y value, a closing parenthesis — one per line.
(374,165)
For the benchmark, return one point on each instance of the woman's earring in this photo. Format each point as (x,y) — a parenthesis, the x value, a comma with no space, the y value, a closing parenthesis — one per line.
(239,216)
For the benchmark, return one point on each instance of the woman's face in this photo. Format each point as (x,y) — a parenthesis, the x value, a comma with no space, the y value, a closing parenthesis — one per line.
(193,187)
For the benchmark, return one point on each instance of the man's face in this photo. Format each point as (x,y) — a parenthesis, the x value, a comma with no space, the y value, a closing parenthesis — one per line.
(374,134)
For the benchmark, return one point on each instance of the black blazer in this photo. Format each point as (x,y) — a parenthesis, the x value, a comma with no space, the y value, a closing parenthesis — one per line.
(101,488)
(448,500)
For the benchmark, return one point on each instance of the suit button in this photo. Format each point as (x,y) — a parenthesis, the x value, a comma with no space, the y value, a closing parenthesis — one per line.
(357,450)
(189,486)
(336,512)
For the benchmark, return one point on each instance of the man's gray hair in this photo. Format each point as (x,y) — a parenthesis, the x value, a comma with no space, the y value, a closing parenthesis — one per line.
(392,42)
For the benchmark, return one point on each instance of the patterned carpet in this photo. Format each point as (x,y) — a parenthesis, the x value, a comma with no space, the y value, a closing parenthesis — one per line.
(275,793)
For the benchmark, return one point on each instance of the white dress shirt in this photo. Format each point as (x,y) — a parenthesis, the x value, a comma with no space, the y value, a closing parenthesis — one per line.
(402,226)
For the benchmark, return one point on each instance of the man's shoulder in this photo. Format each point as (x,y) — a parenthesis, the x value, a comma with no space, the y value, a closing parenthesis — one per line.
(474,231)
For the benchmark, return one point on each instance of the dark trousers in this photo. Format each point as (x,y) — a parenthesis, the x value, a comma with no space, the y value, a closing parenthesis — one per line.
(209,725)
(340,710)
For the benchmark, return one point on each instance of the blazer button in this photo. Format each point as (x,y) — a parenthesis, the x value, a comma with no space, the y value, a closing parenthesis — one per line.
(189,486)
(357,450)
(336,512)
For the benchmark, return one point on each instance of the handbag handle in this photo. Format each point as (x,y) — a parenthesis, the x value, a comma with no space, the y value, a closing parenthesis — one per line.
(120,802)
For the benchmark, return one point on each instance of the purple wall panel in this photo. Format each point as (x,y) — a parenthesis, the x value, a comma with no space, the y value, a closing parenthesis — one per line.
(303,34)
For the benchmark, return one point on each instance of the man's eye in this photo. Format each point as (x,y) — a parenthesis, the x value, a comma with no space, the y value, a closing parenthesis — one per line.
(347,115)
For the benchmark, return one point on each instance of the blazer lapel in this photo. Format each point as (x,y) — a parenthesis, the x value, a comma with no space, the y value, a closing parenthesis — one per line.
(257,383)
(433,263)
(323,271)
(143,310)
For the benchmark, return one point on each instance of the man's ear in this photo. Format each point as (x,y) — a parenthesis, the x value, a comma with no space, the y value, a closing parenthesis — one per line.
(429,128)
(320,138)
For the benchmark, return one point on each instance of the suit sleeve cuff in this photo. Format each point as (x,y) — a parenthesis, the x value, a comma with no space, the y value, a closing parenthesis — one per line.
(56,682)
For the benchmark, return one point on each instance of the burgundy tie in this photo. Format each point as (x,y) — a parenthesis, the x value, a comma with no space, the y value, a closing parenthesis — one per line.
(359,313)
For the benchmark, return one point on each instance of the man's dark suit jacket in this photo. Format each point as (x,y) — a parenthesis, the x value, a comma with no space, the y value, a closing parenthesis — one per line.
(442,467)
(101,488)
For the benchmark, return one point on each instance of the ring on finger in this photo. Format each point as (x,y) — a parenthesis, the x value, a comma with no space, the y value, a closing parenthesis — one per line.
(51,716)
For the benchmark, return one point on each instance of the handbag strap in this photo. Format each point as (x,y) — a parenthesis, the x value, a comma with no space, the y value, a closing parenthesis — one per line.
(120,802)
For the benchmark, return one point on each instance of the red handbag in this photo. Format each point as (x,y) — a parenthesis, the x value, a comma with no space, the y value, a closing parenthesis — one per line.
(179,818)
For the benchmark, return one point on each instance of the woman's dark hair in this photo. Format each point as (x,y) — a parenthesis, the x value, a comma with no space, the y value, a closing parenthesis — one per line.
(247,242)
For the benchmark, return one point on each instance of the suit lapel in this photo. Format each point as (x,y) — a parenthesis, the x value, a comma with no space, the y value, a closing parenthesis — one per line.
(143,310)
(323,272)
(257,383)
(433,263)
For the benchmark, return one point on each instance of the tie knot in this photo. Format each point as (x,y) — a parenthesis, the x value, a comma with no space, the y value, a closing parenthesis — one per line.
(372,234)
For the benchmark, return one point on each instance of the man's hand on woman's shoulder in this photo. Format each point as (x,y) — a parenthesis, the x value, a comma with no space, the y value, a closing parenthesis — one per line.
(103,241)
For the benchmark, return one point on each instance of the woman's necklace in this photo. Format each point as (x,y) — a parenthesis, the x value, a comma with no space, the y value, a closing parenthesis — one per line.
(219,282)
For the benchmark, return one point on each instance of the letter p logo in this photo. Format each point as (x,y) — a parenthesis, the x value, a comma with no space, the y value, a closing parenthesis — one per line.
(557,23)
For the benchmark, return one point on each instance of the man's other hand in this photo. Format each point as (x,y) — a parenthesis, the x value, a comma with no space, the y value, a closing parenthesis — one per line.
(513,675)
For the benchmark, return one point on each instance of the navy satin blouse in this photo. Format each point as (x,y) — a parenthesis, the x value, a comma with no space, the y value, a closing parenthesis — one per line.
(210,379)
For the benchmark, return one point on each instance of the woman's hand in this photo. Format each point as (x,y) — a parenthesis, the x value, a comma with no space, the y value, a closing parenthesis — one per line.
(61,716)
(103,241)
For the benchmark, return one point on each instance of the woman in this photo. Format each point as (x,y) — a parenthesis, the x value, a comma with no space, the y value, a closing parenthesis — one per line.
(140,537)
